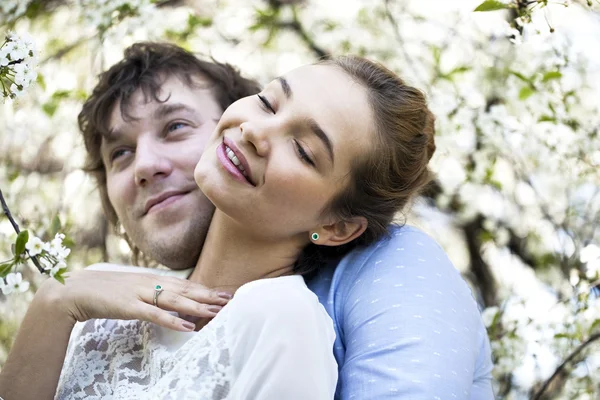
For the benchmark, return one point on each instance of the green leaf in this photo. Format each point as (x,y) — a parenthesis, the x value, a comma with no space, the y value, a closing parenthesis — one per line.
(491,5)
(60,275)
(22,240)
(437,54)
(50,107)
(459,70)
(548,76)
(520,76)
(526,92)
(41,81)
(595,324)
(562,336)
(5,269)
(55,225)
(547,118)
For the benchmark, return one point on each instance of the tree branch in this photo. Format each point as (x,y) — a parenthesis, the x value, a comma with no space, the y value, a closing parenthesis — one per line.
(481,270)
(16,228)
(296,27)
(558,370)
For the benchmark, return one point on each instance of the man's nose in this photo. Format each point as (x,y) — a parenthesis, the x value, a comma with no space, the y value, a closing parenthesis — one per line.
(150,162)
(257,136)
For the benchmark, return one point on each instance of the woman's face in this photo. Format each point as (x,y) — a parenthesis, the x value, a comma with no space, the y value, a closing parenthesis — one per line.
(278,158)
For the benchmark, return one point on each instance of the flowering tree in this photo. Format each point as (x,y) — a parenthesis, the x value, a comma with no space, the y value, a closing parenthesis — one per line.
(516,200)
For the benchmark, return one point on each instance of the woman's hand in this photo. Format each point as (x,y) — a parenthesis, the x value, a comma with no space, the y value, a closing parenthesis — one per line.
(91,294)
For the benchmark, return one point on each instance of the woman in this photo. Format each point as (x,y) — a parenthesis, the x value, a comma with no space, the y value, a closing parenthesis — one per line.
(317,163)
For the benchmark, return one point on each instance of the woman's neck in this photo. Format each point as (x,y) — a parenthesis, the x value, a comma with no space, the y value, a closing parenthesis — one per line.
(233,255)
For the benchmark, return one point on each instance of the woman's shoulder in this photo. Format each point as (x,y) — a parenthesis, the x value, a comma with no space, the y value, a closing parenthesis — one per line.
(277,299)
(277,310)
(286,288)
(109,267)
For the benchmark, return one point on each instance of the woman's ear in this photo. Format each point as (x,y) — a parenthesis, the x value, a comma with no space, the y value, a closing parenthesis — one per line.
(341,232)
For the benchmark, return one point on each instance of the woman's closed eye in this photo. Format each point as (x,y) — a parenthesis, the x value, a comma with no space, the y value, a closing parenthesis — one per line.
(303,154)
(265,104)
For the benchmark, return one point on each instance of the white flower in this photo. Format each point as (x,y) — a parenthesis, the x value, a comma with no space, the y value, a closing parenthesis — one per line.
(57,249)
(18,51)
(19,55)
(489,314)
(589,253)
(4,57)
(35,246)
(54,270)
(14,283)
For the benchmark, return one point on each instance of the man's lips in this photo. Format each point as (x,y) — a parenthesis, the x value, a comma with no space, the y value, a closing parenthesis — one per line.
(162,200)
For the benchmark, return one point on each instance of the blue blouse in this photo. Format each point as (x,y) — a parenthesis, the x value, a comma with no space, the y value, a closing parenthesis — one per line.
(407,325)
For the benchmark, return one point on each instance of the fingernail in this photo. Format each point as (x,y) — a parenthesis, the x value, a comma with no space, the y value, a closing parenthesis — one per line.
(214,309)
(225,295)
(188,325)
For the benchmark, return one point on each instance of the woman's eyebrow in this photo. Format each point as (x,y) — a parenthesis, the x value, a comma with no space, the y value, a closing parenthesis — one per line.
(320,133)
(310,122)
(285,86)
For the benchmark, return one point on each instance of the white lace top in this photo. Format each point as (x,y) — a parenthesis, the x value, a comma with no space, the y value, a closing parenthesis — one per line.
(273,340)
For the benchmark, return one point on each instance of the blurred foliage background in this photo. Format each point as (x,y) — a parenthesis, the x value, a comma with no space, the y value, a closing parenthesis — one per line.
(514,86)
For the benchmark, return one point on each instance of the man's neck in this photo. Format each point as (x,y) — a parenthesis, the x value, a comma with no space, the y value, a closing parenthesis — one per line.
(233,255)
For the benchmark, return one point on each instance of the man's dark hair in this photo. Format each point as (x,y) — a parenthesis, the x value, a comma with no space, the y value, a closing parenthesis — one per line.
(145,66)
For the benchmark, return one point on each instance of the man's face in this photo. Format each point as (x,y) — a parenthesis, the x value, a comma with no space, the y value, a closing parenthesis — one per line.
(150,161)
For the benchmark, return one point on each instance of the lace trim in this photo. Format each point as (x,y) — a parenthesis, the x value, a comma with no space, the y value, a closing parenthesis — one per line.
(124,360)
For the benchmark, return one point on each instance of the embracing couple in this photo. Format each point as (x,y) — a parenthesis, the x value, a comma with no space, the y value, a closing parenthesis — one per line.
(273,211)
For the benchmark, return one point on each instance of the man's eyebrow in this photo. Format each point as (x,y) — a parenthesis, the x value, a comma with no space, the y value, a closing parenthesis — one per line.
(110,135)
(164,110)
(285,86)
(320,133)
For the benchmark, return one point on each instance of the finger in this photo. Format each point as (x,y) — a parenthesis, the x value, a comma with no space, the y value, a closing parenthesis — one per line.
(194,291)
(163,318)
(174,302)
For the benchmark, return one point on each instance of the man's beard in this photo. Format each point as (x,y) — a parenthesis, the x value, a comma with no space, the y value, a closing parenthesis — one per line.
(179,252)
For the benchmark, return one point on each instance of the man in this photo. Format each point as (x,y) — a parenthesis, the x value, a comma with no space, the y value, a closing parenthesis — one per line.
(406,324)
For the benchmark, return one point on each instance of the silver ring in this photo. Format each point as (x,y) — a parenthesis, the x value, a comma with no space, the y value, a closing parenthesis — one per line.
(157,290)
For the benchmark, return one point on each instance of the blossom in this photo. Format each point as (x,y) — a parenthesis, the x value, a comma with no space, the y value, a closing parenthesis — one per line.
(19,55)
(590,255)
(488,315)
(35,246)
(56,268)
(56,248)
(13,283)
(11,9)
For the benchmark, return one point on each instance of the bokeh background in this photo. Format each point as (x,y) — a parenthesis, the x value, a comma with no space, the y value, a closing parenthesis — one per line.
(516,92)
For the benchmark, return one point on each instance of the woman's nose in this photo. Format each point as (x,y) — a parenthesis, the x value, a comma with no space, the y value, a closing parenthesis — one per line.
(255,136)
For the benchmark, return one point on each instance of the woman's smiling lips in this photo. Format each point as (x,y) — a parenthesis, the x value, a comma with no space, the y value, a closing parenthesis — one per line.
(228,164)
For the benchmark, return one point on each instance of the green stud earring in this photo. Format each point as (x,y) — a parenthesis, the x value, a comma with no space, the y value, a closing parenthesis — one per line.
(314,236)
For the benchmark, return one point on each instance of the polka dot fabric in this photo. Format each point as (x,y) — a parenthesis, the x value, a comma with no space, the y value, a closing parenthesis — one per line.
(407,325)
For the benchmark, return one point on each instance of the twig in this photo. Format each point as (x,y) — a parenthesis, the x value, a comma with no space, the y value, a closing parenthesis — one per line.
(558,370)
(16,228)
(409,60)
(297,28)
(67,49)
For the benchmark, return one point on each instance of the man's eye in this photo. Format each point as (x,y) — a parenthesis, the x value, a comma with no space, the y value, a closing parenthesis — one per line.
(175,126)
(118,153)
(265,104)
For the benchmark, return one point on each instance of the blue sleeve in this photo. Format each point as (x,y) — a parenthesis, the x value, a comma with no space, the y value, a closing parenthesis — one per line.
(409,324)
